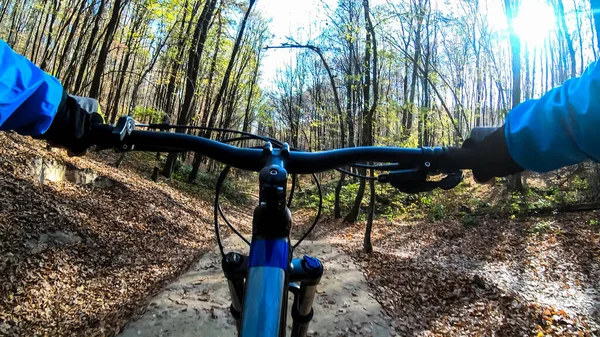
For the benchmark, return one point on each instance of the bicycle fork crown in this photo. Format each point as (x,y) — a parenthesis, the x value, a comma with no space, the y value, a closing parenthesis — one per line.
(304,275)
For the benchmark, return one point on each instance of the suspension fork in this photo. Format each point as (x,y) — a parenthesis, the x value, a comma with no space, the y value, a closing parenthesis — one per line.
(272,221)
(235,269)
(304,276)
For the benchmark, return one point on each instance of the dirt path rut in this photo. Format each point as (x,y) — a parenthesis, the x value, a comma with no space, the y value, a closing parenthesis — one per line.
(197,303)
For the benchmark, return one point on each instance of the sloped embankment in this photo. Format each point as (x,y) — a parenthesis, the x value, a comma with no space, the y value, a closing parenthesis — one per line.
(83,244)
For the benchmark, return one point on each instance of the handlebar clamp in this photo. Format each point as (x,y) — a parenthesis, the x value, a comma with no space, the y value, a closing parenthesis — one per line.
(125,125)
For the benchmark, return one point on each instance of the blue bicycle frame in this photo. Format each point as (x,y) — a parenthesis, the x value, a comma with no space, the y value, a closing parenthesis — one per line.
(260,282)
(265,302)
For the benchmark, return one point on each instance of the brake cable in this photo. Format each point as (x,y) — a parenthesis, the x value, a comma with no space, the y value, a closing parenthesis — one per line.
(216,214)
(320,208)
(355,174)
(218,210)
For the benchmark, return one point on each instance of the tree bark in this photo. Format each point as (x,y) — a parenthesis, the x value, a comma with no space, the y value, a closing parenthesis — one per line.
(198,40)
(208,103)
(595,9)
(68,41)
(89,48)
(337,213)
(515,182)
(103,54)
(560,15)
(368,129)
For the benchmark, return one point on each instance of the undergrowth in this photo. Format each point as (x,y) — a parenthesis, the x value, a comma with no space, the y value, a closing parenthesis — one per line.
(233,189)
(467,201)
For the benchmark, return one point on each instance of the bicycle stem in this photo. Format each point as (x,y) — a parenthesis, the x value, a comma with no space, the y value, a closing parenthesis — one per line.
(271,258)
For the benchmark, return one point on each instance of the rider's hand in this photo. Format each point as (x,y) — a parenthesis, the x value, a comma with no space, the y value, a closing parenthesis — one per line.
(494,160)
(72,124)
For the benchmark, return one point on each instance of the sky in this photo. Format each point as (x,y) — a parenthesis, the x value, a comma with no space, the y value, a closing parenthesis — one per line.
(303,19)
(300,19)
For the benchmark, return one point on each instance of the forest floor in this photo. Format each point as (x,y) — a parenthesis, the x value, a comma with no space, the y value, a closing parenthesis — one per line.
(78,258)
(83,258)
(501,278)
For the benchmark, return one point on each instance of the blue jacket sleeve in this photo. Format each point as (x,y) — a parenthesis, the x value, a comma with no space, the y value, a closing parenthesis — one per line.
(561,128)
(29,97)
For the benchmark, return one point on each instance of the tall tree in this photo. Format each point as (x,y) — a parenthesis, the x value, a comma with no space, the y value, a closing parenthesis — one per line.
(227,75)
(103,54)
(370,115)
(511,8)
(195,53)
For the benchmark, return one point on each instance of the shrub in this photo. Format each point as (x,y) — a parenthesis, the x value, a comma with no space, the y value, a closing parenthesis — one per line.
(542,227)
(438,211)
(469,221)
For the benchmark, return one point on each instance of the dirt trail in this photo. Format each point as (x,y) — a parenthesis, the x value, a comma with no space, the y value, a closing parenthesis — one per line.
(197,303)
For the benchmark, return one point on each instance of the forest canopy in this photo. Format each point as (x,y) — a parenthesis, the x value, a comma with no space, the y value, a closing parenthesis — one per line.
(396,72)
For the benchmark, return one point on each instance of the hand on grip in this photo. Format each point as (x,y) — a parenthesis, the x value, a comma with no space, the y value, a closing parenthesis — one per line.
(491,151)
(72,124)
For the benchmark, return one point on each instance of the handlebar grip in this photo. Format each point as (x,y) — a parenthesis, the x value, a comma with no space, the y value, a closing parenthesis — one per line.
(460,158)
(101,135)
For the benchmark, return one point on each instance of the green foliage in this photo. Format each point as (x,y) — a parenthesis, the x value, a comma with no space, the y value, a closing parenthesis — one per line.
(469,221)
(148,115)
(579,183)
(541,227)
(207,182)
(438,212)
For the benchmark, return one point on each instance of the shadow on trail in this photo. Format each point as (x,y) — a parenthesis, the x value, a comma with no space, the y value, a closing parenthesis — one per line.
(445,283)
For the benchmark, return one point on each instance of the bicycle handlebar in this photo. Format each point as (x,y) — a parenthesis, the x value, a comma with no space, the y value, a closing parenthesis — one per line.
(298,162)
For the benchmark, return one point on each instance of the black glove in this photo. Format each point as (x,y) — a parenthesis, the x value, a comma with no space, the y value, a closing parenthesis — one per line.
(494,160)
(72,124)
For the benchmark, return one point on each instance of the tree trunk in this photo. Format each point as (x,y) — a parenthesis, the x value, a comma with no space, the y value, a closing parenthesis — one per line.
(368,111)
(226,76)
(103,54)
(337,213)
(236,47)
(512,9)
(54,13)
(579,35)
(85,61)
(246,123)
(367,245)
(207,105)
(560,15)
(113,111)
(369,118)
(198,40)
(68,42)
(38,38)
(413,81)
(595,9)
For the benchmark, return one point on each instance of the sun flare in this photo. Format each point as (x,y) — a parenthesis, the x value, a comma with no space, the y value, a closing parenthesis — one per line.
(534,22)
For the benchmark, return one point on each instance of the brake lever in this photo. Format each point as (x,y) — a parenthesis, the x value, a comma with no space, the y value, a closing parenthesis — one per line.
(106,136)
(124,127)
(415,180)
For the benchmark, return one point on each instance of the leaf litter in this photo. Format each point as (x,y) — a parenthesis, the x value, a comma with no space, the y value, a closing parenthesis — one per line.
(77,260)
(501,278)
